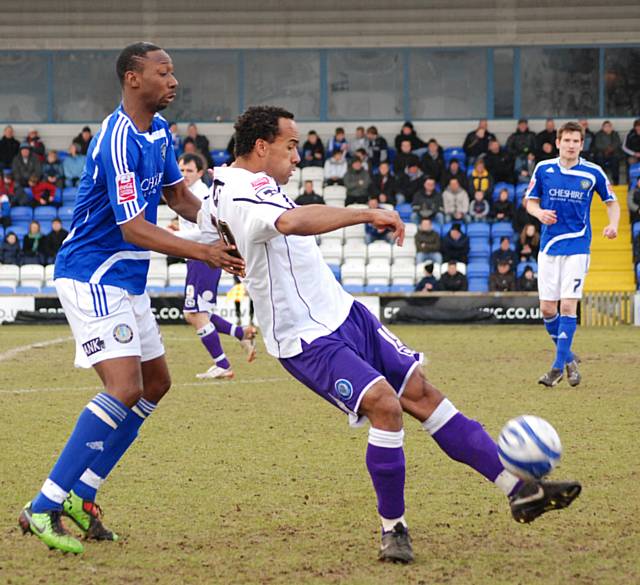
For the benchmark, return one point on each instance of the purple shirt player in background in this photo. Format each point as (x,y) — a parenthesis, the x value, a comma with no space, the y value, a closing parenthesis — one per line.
(331,343)
(201,286)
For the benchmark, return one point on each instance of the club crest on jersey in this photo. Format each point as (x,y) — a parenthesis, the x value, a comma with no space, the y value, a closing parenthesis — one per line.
(126,186)
(122,333)
(585,184)
(344,388)
(163,150)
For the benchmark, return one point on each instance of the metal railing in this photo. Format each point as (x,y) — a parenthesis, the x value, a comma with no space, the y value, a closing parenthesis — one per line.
(605,309)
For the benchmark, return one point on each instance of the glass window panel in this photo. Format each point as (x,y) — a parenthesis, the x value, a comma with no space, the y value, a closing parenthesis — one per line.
(365,85)
(503,83)
(622,82)
(23,78)
(290,79)
(559,82)
(85,85)
(208,89)
(448,84)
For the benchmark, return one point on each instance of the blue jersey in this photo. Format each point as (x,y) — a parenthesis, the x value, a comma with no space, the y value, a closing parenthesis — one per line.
(123,177)
(569,192)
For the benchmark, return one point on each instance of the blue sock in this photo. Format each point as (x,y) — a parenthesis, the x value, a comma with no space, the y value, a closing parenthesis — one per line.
(97,421)
(566,329)
(114,448)
(551,326)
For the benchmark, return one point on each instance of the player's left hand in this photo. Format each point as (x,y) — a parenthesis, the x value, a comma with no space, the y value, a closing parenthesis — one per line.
(610,232)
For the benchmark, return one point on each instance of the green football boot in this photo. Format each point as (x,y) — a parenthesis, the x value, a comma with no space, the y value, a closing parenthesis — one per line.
(48,527)
(88,517)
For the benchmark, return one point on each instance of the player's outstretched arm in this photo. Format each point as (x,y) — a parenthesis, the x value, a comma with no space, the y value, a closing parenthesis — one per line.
(146,235)
(545,216)
(182,200)
(311,220)
(613,211)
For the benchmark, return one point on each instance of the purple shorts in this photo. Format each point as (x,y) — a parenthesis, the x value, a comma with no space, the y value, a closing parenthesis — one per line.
(342,366)
(200,287)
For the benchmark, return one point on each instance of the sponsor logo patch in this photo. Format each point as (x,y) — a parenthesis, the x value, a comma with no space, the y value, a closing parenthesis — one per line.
(122,333)
(126,185)
(344,388)
(259,183)
(93,346)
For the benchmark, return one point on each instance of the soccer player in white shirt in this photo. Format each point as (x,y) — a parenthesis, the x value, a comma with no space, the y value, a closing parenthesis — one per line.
(201,286)
(560,195)
(332,343)
(100,276)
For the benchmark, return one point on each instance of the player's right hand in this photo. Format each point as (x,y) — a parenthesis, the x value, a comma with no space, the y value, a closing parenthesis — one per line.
(385,219)
(221,256)
(547,216)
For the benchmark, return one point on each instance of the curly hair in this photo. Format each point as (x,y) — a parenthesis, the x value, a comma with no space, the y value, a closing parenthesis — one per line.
(257,122)
(129,58)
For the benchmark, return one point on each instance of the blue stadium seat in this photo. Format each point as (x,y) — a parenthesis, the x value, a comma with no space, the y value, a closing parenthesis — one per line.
(154,289)
(224,288)
(634,173)
(376,288)
(478,285)
(522,266)
(20,230)
(28,290)
(478,229)
(174,289)
(65,212)
(50,290)
(7,290)
(62,154)
(404,210)
(335,268)
(502,185)
(455,152)
(401,288)
(391,155)
(478,270)
(635,229)
(437,227)
(479,251)
(21,214)
(45,213)
(69,195)
(447,227)
(501,228)
(354,289)
(219,157)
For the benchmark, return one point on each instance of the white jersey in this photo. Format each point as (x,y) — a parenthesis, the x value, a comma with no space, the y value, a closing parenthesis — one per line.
(296,296)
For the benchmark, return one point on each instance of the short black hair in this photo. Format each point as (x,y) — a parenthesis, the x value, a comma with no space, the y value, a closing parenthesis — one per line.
(257,123)
(129,58)
(193,157)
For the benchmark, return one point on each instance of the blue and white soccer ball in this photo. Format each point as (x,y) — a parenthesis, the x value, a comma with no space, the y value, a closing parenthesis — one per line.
(529,447)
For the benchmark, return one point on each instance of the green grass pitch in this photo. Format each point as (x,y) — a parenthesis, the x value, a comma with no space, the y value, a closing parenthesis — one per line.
(259,481)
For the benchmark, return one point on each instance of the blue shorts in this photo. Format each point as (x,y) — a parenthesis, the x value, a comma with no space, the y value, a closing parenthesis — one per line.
(200,287)
(342,366)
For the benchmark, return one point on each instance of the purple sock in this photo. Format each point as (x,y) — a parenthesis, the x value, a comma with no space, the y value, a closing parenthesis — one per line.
(385,462)
(211,340)
(466,441)
(223,326)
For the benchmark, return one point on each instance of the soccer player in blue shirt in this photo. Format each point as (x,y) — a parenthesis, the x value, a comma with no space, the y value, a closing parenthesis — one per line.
(100,277)
(559,195)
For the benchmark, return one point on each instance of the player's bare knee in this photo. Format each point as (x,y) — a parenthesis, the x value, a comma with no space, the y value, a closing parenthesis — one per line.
(568,307)
(420,397)
(382,407)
